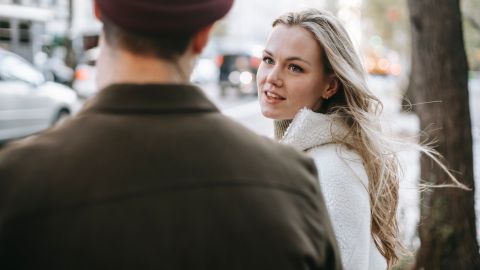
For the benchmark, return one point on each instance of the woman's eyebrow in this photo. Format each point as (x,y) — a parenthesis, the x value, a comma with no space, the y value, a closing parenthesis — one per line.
(292,58)
(268,52)
(297,58)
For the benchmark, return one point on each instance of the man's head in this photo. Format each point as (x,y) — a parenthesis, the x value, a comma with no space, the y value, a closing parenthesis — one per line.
(153,41)
(161,28)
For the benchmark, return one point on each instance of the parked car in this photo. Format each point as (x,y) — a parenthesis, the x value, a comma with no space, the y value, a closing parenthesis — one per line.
(238,72)
(85,74)
(29,103)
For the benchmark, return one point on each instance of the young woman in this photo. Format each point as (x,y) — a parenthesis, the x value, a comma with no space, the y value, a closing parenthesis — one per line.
(312,83)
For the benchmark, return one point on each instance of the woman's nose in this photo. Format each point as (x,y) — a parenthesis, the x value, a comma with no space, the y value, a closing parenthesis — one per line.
(274,77)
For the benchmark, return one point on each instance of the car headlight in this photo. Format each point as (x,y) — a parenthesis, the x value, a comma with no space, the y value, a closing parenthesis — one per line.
(246,77)
(234,77)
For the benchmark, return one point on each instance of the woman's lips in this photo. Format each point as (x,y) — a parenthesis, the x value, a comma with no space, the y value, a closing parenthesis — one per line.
(272,97)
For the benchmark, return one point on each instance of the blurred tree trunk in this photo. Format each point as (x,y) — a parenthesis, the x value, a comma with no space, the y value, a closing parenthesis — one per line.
(408,100)
(447,225)
(70,59)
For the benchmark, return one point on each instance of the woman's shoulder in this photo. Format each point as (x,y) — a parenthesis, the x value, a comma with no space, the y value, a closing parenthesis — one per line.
(344,185)
(338,160)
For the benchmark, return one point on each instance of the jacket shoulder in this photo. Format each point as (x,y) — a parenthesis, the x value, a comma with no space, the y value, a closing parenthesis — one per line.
(337,158)
(260,150)
(344,184)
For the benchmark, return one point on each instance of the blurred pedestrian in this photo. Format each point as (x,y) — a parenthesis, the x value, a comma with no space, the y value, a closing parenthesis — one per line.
(312,83)
(150,175)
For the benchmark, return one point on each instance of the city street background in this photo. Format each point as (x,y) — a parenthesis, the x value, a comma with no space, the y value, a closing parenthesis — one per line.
(58,39)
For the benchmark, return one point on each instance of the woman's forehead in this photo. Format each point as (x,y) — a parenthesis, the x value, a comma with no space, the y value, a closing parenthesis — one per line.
(287,41)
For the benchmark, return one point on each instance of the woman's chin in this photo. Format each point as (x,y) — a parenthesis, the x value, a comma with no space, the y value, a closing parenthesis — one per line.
(267,113)
(272,114)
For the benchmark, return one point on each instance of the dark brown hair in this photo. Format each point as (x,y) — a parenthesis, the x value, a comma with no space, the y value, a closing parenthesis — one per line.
(166,46)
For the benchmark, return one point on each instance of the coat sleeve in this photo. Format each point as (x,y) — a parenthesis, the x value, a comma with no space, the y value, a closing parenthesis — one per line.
(344,184)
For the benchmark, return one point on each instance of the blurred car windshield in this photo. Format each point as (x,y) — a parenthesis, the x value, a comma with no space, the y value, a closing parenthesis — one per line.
(15,69)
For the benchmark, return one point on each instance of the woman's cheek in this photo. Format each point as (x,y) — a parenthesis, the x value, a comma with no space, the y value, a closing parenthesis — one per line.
(261,74)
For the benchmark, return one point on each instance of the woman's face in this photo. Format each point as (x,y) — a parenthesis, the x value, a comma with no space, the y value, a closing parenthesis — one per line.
(291,75)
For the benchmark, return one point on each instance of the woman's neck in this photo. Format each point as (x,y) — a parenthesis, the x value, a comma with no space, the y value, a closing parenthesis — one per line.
(280,126)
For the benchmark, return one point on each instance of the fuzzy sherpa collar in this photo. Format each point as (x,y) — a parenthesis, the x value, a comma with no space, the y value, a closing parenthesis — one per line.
(310,129)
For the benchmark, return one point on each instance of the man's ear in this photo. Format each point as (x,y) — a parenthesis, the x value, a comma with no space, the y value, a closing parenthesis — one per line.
(200,39)
(332,87)
(96,11)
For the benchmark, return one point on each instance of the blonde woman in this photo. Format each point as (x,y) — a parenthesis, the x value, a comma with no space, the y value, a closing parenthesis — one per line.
(313,84)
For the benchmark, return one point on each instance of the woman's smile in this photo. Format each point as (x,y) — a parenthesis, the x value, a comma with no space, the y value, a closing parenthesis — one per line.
(272,97)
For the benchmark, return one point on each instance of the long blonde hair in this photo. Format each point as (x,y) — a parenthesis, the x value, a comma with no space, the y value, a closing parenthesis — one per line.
(359,109)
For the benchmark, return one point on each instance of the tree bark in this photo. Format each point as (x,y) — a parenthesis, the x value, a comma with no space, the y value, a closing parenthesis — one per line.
(447,225)
(70,60)
(408,100)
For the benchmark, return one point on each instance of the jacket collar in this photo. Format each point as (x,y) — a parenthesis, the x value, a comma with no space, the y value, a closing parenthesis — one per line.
(310,129)
(150,98)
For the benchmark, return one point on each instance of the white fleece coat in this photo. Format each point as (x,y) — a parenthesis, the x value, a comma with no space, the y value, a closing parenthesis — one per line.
(343,182)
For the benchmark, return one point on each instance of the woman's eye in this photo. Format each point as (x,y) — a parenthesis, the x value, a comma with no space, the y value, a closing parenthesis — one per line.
(268,60)
(295,68)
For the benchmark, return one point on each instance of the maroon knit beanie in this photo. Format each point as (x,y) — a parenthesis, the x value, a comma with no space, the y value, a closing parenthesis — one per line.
(153,17)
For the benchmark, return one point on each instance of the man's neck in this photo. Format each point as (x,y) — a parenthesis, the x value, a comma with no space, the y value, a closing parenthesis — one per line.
(119,66)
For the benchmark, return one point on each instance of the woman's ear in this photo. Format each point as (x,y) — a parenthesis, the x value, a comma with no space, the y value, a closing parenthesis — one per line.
(332,87)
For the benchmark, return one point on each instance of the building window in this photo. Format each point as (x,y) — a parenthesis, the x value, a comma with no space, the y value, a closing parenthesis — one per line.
(24,28)
(5,34)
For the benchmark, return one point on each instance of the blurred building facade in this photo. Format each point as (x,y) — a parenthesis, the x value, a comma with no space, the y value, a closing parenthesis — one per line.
(27,25)
(245,28)
(248,24)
